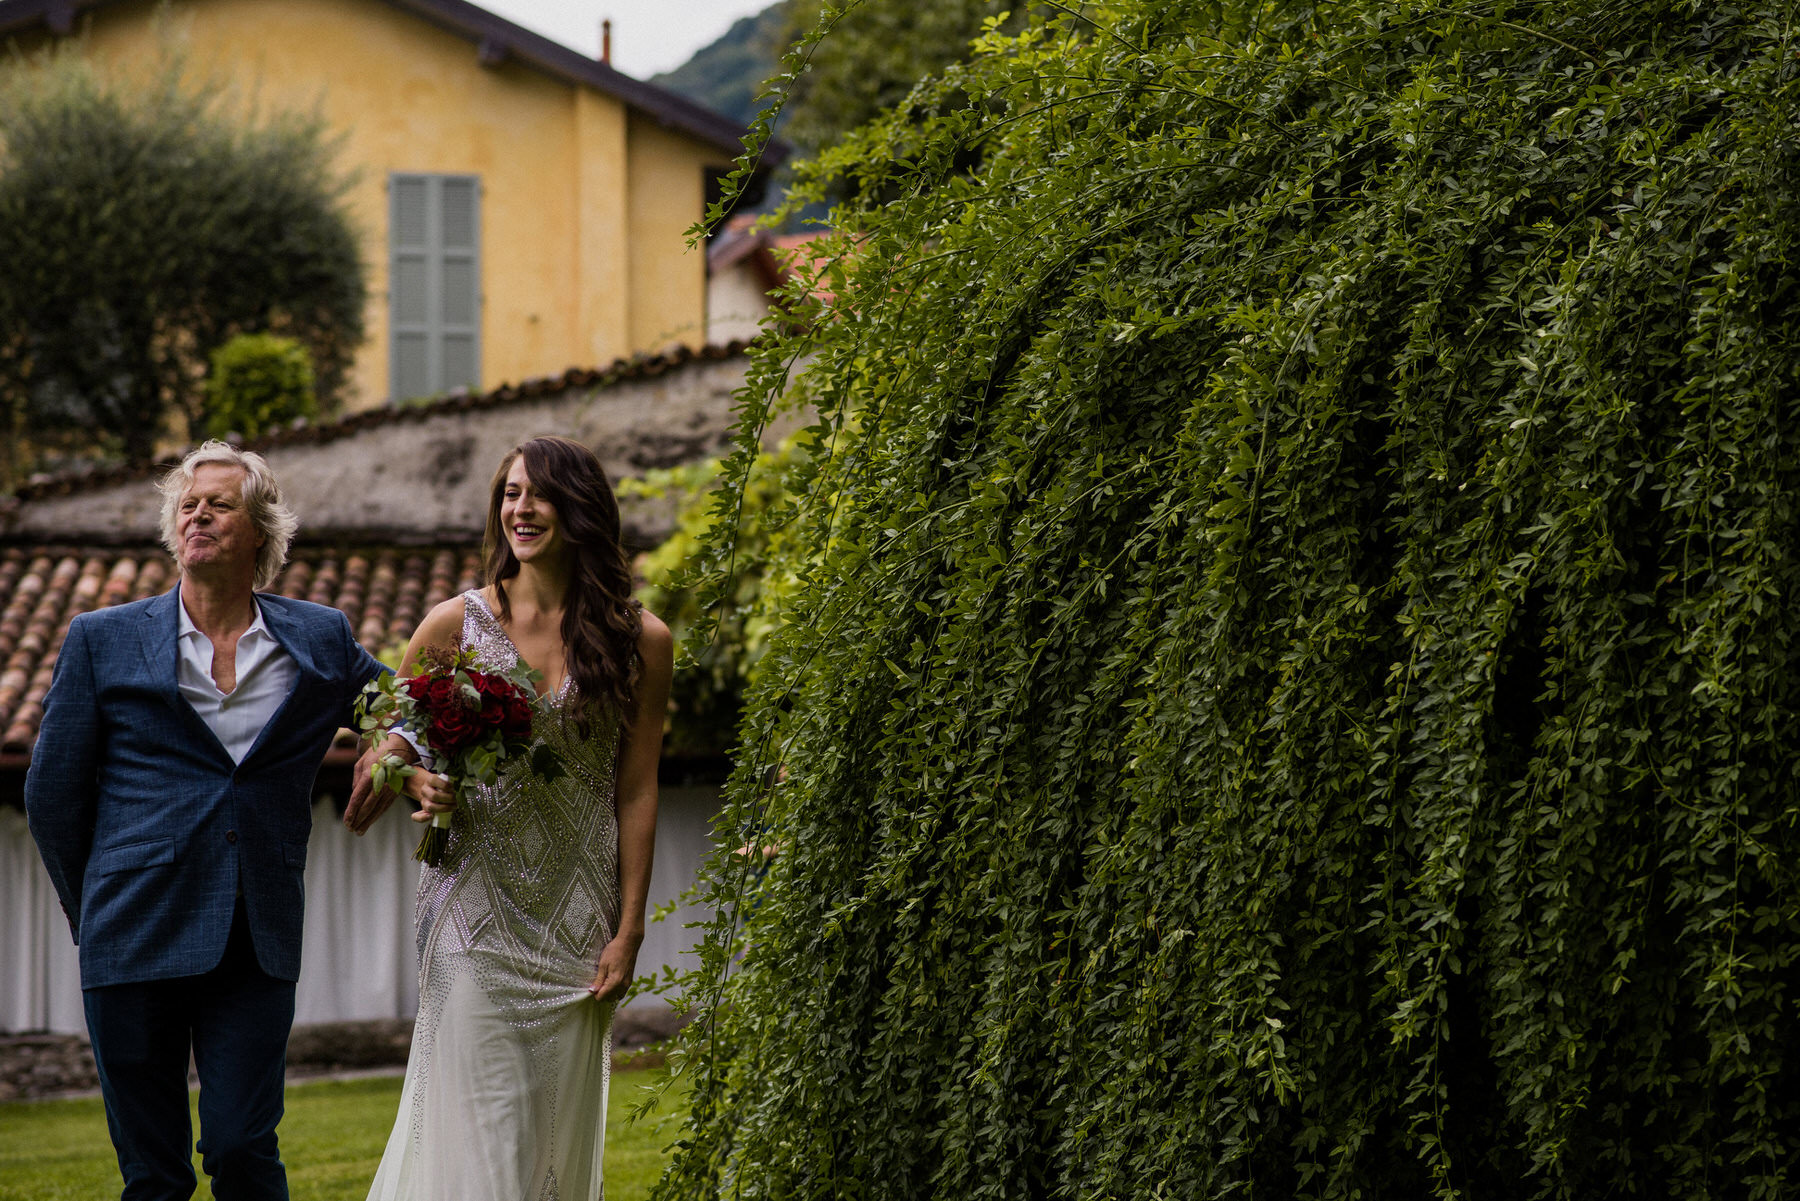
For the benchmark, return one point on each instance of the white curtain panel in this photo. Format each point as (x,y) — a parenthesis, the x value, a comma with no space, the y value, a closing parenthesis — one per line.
(40,978)
(359,961)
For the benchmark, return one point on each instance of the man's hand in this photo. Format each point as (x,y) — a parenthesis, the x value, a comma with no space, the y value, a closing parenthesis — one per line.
(366,804)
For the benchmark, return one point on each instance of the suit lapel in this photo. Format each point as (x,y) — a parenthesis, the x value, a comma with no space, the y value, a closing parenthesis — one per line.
(290,634)
(157,639)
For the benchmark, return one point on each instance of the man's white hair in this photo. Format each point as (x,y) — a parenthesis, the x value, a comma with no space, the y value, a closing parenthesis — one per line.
(262,502)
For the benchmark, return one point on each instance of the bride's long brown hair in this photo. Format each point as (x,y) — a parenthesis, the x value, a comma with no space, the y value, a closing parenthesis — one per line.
(601,622)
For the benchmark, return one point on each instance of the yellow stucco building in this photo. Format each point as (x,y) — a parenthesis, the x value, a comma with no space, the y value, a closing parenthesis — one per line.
(523,208)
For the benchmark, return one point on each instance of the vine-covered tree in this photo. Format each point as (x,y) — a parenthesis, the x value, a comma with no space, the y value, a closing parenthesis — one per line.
(1294,686)
(142,224)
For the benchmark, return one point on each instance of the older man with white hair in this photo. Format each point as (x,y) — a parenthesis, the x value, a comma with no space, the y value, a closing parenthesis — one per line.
(170,796)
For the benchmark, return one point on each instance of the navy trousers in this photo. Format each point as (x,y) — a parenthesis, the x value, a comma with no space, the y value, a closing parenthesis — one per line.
(235,1021)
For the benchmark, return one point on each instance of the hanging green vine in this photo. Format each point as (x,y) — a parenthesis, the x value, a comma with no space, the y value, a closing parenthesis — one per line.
(1292,688)
(706,702)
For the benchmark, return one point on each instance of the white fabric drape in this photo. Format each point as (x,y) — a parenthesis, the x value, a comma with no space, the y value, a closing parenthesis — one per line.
(40,977)
(359,960)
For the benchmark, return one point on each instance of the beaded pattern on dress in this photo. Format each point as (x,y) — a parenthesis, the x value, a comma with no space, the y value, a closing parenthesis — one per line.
(528,892)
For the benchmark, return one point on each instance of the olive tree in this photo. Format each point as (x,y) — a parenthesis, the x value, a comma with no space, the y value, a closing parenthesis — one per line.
(143,223)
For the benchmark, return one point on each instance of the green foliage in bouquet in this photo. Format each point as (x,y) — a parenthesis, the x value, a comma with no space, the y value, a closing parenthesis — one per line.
(258,382)
(467,720)
(1293,686)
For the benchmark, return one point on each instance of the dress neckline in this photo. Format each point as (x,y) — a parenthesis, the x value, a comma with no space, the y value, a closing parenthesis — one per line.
(519,656)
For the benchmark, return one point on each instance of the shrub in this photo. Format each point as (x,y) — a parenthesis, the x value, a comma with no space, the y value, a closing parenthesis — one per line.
(706,699)
(258,382)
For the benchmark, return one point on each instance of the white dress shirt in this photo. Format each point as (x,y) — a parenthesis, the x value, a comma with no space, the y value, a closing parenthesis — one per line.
(265,676)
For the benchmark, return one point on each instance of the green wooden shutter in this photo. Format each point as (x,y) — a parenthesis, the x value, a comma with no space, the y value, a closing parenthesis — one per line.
(434,283)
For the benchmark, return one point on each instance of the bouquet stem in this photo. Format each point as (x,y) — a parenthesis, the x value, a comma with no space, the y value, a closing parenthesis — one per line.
(436,844)
(436,841)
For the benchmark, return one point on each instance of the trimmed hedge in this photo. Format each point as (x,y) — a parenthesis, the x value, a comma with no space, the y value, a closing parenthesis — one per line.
(1293,692)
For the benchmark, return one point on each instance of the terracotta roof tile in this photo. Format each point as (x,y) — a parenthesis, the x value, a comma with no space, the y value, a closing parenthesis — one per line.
(384,591)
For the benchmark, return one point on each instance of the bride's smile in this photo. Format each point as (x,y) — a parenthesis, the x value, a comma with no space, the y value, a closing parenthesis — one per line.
(530,521)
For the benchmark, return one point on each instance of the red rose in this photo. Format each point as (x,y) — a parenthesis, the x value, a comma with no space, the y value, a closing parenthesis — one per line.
(493,712)
(517,723)
(442,695)
(417,686)
(452,730)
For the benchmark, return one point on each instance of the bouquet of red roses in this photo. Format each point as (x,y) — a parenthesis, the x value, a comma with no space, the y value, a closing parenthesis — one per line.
(467,723)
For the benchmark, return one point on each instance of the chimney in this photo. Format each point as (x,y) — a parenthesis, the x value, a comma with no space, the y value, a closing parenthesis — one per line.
(606,42)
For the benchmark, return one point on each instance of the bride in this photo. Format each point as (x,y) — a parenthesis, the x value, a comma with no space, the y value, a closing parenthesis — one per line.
(528,932)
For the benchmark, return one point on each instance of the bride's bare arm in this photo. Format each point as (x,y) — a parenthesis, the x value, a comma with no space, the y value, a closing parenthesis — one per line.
(638,759)
(441,627)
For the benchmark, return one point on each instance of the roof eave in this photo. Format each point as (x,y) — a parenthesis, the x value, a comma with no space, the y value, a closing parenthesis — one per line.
(553,58)
(495,39)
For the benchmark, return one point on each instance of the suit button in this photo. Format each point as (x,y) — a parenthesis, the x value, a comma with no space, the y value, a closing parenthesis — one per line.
(231,836)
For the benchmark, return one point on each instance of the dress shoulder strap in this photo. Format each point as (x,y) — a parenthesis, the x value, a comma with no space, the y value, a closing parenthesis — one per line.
(475,610)
(483,633)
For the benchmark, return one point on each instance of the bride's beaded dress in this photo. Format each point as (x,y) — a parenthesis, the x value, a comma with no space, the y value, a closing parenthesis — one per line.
(505,1094)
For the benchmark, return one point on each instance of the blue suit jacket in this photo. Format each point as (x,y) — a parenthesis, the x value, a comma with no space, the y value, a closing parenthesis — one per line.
(147,827)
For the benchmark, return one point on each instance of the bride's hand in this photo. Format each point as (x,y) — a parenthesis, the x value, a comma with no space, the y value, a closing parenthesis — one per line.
(617,964)
(435,794)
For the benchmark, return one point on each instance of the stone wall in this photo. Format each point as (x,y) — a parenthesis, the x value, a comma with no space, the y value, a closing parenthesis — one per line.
(420,475)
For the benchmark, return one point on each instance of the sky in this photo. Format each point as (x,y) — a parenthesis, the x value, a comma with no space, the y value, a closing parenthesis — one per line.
(648,36)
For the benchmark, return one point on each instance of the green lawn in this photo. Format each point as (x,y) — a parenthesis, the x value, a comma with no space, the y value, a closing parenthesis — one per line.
(331,1141)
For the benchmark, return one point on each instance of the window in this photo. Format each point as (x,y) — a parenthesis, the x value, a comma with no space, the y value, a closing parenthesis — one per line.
(434,284)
